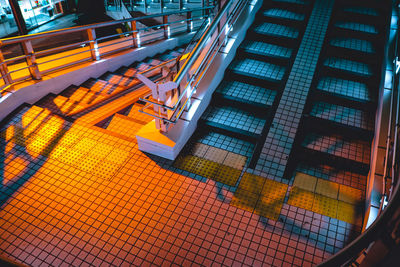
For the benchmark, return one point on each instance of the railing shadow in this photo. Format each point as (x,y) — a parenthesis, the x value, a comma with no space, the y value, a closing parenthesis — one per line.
(14,149)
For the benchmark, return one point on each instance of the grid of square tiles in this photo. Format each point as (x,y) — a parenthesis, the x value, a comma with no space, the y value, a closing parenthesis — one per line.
(280,138)
(348,65)
(330,173)
(356,150)
(266,49)
(148,213)
(354,44)
(344,115)
(357,27)
(228,143)
(283,13)
(235,118)
(278,30)
(346,88)
(327,198)
(247,92)
(259,69)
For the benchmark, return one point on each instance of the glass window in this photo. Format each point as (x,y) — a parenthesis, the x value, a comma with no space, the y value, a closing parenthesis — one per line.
(7,21)
(37,12)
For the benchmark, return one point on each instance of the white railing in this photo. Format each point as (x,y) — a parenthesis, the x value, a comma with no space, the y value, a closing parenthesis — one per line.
(169,99)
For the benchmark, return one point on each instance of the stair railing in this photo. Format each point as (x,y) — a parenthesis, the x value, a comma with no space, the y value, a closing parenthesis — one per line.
(385,226)
(93,44)
(170,99)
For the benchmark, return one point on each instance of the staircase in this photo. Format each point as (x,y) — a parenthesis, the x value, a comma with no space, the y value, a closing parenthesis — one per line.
(76,101)
(334,140)
(242,107)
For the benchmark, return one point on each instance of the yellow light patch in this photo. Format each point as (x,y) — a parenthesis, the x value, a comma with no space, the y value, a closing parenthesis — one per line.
(227,175)
(301,198)
(327,188)
(206,168)
(350,195)
(186,163)
(349,213)
(305,181)
(274,190)
(251,183)
(269,208)
(244,200)
(325,205)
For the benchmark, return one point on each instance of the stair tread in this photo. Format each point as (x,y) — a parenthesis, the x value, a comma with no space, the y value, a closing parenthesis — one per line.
(346,88)
(301,2)
(129,72)
(277,30)
(120,80)
(247,93)
(326,172)
(135,114)
(353,44)
(355,26)
(343,115)
(362,10)
(235,118)
(336,145)
(124,126)
(349,66)
(266,49)
(101,86)
(259,69)
(284,14)
(61,105)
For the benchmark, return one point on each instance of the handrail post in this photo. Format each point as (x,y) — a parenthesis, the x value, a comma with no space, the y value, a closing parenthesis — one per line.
(4,69)
(93,44)
(134,34)
(189,21)
(31,60)
(166,27)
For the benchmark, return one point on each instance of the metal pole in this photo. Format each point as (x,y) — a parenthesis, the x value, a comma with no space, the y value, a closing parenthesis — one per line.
(19,19)
(31,60)
(4,70)
(134,34)
(93,44)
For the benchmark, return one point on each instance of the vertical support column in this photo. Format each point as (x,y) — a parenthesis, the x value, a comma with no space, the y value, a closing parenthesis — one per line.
(189,21)
(161,6)
(31,60)
(19,19)
(166,27)
(180,4)
(93,44)
(4,69)
(135,35)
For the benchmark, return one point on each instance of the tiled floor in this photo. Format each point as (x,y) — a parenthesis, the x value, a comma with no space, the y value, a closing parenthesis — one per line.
(81,196)
(77,194)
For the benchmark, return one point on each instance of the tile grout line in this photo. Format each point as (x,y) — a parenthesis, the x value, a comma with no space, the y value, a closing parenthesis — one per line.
(281,136)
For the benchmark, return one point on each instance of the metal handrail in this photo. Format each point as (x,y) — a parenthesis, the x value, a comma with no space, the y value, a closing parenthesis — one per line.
(216,33)
(30,37)
(93,48)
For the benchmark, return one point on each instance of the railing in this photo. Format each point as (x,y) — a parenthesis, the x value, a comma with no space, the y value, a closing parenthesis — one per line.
(91,43)
(385,225)
(169,100)
(151,6)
